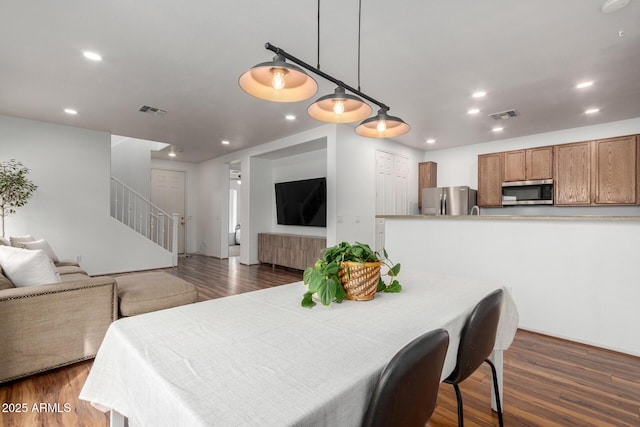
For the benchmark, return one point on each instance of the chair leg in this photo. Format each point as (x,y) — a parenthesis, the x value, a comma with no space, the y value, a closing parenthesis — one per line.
(496,390)
(459,399)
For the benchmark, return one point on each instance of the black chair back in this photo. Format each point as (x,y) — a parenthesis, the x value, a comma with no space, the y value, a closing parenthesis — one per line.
(407,389)
(478,337)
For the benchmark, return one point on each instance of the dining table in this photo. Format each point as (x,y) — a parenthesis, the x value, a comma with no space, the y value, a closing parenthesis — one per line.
(260,358)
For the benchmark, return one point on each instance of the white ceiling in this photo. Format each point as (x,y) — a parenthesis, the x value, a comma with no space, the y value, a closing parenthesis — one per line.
(422,58)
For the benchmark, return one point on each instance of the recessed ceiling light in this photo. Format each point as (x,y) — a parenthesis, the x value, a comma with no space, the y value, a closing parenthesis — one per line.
(610,6)
(431,141)
(290,117)
(225,142)
(592,111)
(479,94)
(172,153)
(473,111)
(92,56)
(497,129)
(584,85)
(70,111)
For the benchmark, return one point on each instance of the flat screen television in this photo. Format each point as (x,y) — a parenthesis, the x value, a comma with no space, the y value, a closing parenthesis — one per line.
(302,202)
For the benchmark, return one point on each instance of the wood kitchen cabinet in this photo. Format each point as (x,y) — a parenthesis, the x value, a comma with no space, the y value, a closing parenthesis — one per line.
(572,171)
(529,164)
(514,165)
(602,172)
(427,178)
(539,163)
(615,179)
(490,177)
(589,173)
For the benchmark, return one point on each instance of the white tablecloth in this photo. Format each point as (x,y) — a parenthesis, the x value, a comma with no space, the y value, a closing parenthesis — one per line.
(260,359)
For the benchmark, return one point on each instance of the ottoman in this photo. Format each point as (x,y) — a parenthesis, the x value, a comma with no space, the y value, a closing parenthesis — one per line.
(144,292)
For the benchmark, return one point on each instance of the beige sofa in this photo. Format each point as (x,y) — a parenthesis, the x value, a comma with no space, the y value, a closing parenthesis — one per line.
(48,326)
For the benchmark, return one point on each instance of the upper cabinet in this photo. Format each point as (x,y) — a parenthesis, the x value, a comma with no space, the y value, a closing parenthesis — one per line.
(590,173)
(530,164)
(573,174)
(490,177)
(514,165)
(615,171)
(539,163)
(427,178)
(602,172)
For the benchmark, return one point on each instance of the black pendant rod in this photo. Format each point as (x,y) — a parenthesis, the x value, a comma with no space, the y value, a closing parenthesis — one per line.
(324,75)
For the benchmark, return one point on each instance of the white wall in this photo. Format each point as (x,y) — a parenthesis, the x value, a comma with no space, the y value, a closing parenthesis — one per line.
(576,280)
(259,207)
(130,164)
(211,177)
(355,177)
(70,208)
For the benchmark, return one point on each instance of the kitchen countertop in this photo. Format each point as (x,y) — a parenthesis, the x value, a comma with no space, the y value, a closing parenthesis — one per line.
(514,217)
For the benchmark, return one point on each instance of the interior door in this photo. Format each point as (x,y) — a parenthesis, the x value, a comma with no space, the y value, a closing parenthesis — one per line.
(385,200)
(401,184)
(167,192)
(392,189)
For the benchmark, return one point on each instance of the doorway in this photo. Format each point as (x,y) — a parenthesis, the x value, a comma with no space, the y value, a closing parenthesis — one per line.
(235,228)
(167,192)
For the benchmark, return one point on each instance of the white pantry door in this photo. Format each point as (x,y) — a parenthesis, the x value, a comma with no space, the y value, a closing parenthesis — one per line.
(392,189)
(385,201)
(167,192)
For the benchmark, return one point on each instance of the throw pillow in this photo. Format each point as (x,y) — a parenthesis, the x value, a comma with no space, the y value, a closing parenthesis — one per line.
(5,283)
(18,241)
(27,268)
(44,245)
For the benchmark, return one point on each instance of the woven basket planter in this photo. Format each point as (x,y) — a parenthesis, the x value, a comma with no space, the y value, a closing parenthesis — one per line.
(360,279)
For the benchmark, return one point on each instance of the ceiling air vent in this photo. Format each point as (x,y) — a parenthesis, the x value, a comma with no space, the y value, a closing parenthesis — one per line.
(152,110)
(504,115)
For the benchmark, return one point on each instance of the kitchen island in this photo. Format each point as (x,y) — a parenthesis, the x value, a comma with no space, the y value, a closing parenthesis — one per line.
(574,277)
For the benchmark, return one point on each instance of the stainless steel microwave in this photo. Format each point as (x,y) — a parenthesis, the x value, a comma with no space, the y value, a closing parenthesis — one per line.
(538,192)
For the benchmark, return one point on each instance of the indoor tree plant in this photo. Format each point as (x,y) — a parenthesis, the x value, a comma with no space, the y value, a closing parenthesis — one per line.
(349,271)
(15,188)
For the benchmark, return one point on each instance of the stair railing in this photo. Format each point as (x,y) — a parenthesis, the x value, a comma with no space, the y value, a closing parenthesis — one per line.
(142,216)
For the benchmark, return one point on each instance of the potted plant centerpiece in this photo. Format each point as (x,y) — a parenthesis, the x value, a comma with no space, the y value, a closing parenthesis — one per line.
(349,271)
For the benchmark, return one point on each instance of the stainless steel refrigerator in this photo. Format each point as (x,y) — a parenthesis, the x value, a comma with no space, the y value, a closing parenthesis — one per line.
(448,200)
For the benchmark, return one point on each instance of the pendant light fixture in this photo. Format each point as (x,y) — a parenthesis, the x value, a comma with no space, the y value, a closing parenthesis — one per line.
(382,126)
(278,81)
(339,107)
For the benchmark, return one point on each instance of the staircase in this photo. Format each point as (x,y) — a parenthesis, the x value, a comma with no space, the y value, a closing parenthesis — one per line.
(142,216)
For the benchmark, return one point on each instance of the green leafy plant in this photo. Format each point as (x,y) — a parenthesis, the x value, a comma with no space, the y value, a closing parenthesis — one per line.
(323,280)
(15,188)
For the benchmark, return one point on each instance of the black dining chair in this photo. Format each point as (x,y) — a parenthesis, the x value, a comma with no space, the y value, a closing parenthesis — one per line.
(477,340)
(406,392)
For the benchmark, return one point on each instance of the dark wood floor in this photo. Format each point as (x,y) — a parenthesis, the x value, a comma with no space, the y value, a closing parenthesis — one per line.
(547,381)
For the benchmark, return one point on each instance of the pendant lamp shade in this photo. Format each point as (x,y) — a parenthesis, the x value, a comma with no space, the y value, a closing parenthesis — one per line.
(278,81)
(339,107)
(382,126)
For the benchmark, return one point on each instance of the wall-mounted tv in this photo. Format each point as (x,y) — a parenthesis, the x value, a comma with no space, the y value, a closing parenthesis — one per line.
(302,202)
